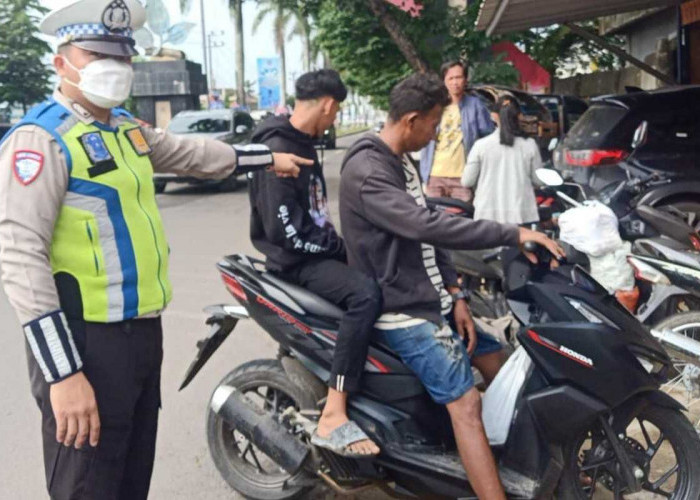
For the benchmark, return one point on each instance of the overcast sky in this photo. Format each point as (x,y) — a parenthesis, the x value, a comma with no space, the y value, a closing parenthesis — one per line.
(217,18)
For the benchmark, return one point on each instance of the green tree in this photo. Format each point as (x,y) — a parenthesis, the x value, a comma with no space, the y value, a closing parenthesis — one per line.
(24,78)
(302,29)
(561,52)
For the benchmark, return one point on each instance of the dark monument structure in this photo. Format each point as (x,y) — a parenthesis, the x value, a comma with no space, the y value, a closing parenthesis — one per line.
(163,88)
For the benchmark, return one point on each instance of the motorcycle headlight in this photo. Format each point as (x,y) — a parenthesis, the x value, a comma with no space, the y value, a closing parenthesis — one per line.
(650,366)
(589,313)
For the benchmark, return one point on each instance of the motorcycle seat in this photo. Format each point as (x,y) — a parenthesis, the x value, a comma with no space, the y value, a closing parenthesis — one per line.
(309,301)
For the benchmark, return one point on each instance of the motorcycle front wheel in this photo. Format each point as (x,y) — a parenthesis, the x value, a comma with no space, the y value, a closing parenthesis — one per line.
(661,442)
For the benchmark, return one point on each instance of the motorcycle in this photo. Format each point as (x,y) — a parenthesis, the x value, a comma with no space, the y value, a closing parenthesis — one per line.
(482,273)
(586,413)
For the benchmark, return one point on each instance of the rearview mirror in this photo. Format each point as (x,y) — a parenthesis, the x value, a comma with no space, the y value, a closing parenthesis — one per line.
(640,135)
(549,177)
(241,129)
(553,144)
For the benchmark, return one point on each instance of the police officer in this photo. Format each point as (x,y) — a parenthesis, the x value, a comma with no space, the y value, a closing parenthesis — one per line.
(84,256)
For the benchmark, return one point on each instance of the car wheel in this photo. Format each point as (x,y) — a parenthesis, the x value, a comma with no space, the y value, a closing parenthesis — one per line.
(229,184)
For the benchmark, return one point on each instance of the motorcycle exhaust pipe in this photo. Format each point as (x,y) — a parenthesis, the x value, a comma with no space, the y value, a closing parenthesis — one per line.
(260,428)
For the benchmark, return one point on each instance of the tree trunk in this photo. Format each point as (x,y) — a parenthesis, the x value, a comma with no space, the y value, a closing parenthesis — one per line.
(279,28)
(307,51)
(240,54)
(396,33)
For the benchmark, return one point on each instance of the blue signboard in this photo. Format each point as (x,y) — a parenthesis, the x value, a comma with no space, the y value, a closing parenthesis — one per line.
(269,82)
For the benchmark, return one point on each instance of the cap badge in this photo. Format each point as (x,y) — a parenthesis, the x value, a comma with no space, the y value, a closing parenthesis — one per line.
(116,16)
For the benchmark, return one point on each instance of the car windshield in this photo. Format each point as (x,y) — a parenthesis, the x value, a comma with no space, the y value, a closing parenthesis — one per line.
(594,125)
(200,123)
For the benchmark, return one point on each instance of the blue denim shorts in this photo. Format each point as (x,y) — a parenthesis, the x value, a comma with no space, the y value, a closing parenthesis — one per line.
(438,356)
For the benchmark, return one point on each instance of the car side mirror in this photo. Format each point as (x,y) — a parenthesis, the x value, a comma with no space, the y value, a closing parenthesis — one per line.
(241,129)
(553,144)
(549,177)
(640,135)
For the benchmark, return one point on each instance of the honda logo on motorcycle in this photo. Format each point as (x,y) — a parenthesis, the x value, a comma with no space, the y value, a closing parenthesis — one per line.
(560,349)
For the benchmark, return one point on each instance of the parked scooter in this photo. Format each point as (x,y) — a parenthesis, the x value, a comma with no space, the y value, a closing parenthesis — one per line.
(588,413)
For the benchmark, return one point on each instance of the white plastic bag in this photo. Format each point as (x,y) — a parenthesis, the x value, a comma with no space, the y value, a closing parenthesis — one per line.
(612,269)
(591,228)
(498,402)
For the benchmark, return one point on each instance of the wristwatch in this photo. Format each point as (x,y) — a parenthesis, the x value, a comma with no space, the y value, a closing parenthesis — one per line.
(462,294)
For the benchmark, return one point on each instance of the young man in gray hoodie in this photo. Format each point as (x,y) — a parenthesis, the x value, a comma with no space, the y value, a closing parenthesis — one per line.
(393,237)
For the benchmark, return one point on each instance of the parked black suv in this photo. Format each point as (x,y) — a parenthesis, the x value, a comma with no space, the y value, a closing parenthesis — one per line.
(599,143)
(229,126)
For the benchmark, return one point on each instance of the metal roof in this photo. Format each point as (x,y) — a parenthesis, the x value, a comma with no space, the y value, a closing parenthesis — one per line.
(503,16)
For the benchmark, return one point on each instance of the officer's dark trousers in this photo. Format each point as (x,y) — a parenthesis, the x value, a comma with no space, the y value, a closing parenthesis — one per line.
(122,362)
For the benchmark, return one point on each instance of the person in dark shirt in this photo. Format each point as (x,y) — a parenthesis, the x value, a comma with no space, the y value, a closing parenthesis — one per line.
(396,237)
(291,225)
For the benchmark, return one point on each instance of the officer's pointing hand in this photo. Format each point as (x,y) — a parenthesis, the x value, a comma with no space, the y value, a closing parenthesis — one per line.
(75,409)
(287,164)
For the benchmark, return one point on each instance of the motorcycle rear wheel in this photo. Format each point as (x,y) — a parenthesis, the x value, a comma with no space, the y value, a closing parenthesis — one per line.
(245,468)
(650,439)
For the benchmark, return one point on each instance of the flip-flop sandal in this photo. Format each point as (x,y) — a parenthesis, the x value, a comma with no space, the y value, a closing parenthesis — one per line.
(341,438)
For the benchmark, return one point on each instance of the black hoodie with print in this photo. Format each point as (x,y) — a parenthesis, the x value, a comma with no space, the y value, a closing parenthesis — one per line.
(290,222)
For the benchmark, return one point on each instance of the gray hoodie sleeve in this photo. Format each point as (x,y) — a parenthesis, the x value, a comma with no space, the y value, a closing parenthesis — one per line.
(388,206)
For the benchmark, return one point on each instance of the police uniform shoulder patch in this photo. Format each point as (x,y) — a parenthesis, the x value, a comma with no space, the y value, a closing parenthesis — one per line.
(27,166)
(138,142)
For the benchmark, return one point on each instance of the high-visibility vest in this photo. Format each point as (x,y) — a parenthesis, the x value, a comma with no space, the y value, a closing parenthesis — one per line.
(109,254)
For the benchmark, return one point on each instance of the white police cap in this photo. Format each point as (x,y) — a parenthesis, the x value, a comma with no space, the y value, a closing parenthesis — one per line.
(102,26)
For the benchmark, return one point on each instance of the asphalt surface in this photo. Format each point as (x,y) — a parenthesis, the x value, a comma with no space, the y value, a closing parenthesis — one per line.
(202,226)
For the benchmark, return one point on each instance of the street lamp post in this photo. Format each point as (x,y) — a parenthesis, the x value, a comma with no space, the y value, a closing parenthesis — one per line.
(213,44)
(204,39)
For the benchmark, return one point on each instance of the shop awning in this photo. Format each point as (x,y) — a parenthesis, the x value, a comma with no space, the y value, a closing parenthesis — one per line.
(503,16)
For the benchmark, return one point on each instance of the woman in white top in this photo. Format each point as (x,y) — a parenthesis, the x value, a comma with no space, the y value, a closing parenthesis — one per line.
(501,170)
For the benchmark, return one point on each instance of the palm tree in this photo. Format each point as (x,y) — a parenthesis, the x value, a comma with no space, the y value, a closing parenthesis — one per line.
(236,7)
(282,17)
(302,29)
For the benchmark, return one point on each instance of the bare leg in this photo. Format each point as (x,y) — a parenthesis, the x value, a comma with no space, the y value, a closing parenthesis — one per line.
(489,365)
(334,415)
(473,446)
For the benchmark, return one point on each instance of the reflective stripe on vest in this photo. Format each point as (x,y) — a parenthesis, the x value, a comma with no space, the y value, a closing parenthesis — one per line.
(108,235)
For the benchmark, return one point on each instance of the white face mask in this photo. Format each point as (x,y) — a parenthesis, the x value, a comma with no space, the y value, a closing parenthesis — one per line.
(106,83)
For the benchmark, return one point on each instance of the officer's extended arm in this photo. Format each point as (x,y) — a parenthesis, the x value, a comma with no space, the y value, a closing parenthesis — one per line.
(210,159)
(33,182)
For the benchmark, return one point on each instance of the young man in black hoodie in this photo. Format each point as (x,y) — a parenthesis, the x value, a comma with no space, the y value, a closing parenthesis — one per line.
(394,237)
(291,225)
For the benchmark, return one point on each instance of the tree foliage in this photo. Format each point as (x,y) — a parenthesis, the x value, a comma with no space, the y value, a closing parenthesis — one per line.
(360,46)
(24,78)
(562,52)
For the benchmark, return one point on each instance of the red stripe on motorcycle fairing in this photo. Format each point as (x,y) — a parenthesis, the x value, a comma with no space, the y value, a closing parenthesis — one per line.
(551,345)
(285,315)
(373,361)
(378,365)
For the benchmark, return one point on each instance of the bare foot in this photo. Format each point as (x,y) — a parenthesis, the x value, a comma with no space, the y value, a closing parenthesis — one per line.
(330,422)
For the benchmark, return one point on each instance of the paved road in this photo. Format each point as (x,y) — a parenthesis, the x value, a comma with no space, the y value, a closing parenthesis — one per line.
(202,225)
